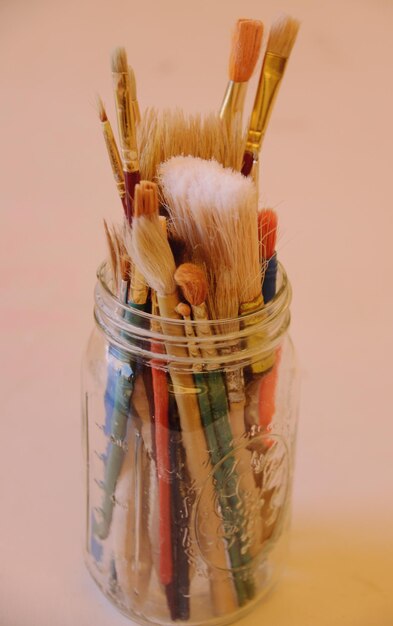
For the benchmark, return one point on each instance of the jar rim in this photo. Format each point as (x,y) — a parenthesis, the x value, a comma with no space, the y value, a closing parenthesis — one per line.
(129,329)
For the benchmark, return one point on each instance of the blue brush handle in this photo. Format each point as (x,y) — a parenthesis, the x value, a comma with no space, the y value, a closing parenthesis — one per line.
(269,281)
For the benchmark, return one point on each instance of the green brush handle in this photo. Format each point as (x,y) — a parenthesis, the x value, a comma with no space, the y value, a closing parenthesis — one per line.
(211,440)
(224,448)
(202,381)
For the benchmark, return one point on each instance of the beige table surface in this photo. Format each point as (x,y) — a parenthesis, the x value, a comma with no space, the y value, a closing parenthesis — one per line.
(327,168)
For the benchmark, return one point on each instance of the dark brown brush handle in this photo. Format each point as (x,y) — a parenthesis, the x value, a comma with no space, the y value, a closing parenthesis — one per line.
(248,160)
(131,179)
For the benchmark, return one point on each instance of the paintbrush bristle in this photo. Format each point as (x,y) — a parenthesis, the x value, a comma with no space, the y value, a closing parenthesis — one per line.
(162,135)
(282,35)
(192,281)
(149,245)
(123,256)
(119,61)
(131,75)
(245,48)
(112,252)
(101,110)
(146,199)
(267,230)
(214,210)
(183,309)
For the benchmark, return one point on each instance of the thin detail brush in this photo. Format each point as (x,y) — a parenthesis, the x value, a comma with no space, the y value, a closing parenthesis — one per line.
(281,40)
(245,48)
(113,152)
(126,125)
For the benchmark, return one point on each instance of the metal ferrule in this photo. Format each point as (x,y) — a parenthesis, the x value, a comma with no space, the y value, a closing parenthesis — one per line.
(114,158)
(126,122)
(269,82)
(262,365)
(233,100)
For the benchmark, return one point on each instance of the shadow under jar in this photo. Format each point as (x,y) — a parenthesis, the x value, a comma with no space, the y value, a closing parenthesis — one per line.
(189,434)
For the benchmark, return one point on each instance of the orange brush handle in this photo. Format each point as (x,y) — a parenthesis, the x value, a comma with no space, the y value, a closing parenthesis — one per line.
(161,403)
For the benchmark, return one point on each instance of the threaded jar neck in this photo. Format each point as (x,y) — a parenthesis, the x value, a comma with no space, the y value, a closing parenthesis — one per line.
(228,343)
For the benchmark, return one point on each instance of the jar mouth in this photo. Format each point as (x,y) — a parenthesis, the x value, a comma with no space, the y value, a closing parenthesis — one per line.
(133,331)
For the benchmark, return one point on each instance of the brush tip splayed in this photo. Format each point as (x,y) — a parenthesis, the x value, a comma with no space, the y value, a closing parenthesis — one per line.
(282,35)
(245,48)
(119,61)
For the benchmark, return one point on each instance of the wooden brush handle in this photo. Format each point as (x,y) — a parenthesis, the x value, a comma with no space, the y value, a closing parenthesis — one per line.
(198,461)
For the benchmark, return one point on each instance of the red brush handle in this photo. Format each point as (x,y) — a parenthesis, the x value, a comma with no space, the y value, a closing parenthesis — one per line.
(161,404)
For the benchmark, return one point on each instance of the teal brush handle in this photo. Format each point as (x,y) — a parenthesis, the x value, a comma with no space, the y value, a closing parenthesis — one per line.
(117,427)
(220,479)
(224,437)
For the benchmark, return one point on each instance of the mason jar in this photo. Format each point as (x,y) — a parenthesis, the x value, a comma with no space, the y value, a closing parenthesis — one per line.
(189,437)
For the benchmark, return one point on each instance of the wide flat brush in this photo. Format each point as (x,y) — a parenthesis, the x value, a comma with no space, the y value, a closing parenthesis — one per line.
(245,48)
(126,125)
(145,203)
(151,252)
(281,40)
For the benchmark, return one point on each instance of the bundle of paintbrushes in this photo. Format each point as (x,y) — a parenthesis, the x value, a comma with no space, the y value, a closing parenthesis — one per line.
(193,482)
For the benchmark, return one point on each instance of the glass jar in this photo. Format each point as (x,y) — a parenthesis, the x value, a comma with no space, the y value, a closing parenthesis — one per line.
(189,435)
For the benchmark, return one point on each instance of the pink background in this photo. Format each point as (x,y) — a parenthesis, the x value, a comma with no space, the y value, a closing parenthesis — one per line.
(327,168)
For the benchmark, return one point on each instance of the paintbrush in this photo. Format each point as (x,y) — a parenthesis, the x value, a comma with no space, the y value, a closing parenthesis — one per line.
(245,48)
(282,37)
(193,284)
(117,423)
(151,253)
(213,408)
(145,202)
(113,153)
(267,222)
(126,125)
(267,230)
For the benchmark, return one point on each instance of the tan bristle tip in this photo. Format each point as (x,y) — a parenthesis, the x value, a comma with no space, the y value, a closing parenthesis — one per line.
(282,36)
(183,309)
(131,74)
(101,110)
(192,281)
(246,45)
(119,61)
